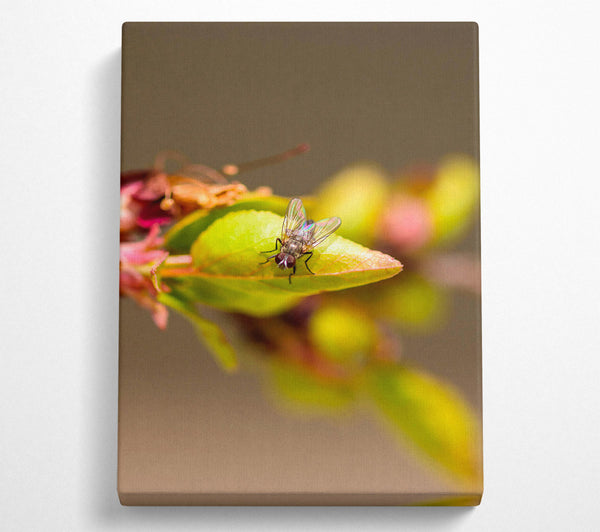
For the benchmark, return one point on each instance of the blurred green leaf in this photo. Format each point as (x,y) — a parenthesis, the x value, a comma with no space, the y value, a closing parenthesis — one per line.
(210,333)
(342,333)
(453,197)
(431,415)
(357,195)
(230,275)
(182,235)
(300,391)
(412,302)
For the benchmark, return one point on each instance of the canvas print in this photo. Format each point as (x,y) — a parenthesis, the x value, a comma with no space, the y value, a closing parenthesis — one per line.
(299,264)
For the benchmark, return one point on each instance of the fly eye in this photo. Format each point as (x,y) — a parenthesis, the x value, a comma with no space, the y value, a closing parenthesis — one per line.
(285,260)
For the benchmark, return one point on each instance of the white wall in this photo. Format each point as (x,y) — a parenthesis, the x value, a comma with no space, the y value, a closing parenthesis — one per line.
(59,123)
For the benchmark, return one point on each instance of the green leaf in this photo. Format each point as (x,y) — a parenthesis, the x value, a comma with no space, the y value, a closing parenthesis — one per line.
(342,332)
(183,234)
(357,194)
(246,296)
(432,415)
(231,274)
(453,197)
(209,332)
(303,393)
(413,303)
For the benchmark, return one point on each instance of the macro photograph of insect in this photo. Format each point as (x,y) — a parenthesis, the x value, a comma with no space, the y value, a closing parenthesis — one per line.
(300,236)
(301,274)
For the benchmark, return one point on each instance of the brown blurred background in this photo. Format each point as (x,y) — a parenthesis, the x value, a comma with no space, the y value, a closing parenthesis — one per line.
(225,93)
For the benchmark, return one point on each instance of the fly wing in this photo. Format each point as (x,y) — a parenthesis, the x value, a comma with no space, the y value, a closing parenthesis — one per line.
(322,229)
(295,218)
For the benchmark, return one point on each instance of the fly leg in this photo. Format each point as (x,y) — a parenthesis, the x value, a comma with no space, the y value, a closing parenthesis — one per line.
(278,241)
(306,261)
(293,272)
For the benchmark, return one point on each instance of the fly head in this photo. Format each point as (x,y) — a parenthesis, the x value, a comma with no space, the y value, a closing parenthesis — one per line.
(285,260)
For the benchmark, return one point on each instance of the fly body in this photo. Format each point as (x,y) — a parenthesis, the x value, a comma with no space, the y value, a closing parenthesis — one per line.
(299,237)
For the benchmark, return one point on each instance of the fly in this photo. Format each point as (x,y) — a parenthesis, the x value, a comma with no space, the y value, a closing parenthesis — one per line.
(299,237)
